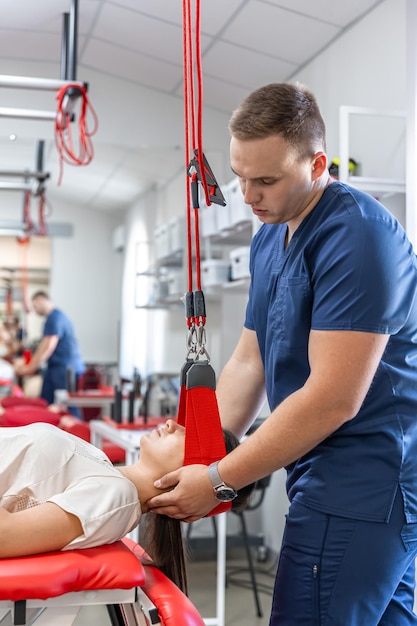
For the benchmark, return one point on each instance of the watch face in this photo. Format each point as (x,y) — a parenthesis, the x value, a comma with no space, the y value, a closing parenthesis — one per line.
(225,494)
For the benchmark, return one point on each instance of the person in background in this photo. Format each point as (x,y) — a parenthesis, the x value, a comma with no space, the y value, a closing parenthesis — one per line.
(58,350)
(6,342)
(19,337)
(330,339)
(6,368)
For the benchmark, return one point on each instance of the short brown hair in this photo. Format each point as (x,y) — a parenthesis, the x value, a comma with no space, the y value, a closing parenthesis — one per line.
(40,294)
(281,109)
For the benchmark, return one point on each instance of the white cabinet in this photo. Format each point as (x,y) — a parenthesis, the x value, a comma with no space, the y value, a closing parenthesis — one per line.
(225,236)
(164,283)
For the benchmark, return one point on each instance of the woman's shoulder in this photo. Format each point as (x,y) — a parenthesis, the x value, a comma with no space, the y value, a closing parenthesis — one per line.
(41,445)
(33,433)
(50,440)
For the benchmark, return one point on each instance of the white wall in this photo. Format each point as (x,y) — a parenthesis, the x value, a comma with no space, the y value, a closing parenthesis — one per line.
(86,280)
(367,68)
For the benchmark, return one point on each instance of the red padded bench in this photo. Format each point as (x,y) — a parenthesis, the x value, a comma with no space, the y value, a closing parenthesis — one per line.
(109,575)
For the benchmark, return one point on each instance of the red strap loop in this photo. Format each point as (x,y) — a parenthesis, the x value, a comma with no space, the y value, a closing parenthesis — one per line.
(63,133)
(197,407)
(199,413)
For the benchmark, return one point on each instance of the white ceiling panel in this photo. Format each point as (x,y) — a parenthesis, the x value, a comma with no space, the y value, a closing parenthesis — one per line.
(145,160)
(20,15)
(41,45)
(136,31)
(214,14)
(230,62)
(284,34)
(130,54)
(135,67)
(14,153)
(338,13)
(164,10)
(119,191)
(222,95)
(45,16)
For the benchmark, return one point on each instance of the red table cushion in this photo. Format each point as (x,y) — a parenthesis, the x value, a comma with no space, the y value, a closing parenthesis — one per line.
(24,415)
(12,401)
(53,574)
(174,607)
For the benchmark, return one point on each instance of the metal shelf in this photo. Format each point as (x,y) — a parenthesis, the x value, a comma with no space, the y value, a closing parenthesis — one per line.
(237,235)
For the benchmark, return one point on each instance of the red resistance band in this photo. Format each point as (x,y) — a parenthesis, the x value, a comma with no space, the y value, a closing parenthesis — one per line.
(199,413)
(30,227)
(197,409)
(63,134)
(24,242)
(42,229)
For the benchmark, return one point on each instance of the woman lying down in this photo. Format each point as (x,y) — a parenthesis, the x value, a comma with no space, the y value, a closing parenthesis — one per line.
(58,492)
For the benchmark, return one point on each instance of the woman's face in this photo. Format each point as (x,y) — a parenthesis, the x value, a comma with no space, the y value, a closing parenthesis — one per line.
(163,448)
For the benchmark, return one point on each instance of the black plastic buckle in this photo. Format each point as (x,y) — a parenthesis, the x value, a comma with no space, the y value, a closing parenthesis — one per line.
(214,192)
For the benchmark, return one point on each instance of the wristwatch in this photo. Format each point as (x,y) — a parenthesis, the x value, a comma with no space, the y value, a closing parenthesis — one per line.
(223,492)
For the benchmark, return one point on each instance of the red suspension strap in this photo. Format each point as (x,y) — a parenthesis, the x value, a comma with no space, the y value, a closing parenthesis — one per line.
(23,243)
(42,230)
(27,220)
(30,227)
(197,409)
(63,133)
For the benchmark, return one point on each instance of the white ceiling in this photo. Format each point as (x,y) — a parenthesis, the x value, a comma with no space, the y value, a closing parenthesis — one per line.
(130,54)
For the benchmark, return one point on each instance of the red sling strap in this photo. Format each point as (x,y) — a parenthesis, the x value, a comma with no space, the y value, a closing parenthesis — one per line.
(199,413)
(204,442)
(197,408)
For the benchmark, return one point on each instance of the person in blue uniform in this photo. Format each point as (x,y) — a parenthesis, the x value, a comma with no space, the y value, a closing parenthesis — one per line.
(58,350)
(330,339)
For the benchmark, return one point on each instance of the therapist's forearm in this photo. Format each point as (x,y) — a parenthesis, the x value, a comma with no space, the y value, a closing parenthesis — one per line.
(296,426)
(40,356)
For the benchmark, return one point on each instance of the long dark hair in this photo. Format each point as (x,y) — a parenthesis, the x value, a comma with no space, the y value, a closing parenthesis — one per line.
(163,537)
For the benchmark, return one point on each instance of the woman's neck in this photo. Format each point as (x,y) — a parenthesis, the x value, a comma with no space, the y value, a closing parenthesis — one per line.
(143,481)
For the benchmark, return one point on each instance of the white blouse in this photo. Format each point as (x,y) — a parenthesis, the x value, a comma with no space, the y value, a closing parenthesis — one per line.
(41,463)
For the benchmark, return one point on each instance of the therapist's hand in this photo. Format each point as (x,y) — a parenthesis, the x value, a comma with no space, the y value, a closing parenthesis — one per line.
(191,498)
(20,369)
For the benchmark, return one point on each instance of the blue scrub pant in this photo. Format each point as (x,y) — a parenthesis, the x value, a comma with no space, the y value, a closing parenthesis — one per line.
(53,379)
(335,571)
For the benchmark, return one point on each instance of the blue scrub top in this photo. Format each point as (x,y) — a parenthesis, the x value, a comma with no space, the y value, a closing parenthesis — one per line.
(67,353)
(348,266)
